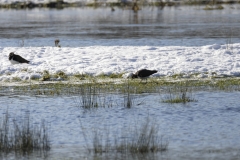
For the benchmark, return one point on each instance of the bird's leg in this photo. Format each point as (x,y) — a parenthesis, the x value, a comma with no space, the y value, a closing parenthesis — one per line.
(141,81)
(146,81)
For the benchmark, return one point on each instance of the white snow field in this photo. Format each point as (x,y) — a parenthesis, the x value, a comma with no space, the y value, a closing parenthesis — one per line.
(220,59)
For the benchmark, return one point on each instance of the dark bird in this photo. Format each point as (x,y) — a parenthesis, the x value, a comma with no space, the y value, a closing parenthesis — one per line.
(15,59)
(112,9)
(135,7)
(57,43)
(143,74)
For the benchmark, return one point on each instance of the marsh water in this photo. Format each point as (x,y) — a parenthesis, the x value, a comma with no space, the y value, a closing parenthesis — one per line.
(207,128)
(176,25)
(204,129)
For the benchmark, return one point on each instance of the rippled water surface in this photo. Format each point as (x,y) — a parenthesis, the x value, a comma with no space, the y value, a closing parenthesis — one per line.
(178,25)
(207,128)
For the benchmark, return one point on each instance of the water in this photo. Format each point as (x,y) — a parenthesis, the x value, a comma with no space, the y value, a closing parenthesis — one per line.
(208,128)
(178,25)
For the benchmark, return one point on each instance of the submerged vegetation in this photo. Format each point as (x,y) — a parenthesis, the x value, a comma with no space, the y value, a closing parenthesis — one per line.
(145,138)
(179,94)
(90,97)
(128,96)
(23,138)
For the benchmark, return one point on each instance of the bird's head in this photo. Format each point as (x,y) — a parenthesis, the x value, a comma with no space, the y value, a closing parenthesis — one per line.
(134,76)
(155,71)
(56,42)
(11,55)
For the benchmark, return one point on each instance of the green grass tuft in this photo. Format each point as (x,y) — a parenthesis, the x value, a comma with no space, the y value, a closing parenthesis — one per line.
(45,76)
(212,7)
(179,94)
(60,74)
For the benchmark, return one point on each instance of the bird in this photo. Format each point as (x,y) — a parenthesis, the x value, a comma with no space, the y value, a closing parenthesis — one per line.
(135,7)
(112,9)
(16,59)
(143,74)
(57,43)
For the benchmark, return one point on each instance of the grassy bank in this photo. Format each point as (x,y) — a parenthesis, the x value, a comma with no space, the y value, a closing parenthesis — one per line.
(118,85)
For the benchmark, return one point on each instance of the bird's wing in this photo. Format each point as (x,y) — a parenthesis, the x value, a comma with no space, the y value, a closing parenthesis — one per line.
(20,59)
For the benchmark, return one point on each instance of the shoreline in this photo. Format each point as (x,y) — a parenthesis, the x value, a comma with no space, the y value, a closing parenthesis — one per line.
(135,6)
(152,81)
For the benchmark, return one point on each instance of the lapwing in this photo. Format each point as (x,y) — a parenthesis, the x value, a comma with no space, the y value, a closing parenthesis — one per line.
(16,59)
(112,9)
(135,7)
(57,43)
(144,74)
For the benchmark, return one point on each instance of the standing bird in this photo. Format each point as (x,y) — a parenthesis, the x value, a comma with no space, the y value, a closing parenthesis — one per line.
(135,7)
(144,74)
(112,9)
(15,59)
(57,43)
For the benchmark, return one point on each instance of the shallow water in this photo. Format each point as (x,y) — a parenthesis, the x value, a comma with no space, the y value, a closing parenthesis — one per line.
(208,128)
(179,25)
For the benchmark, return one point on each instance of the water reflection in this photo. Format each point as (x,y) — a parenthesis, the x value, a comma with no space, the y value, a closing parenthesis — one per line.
(156,25)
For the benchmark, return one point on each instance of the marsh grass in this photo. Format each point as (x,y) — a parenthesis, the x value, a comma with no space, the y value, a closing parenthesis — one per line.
(143,139)
(90,97)
(175,76)
(87,98)
(23,138)
(81,76)
(227,84)
(45,76)
(179,94)
(213,7)
(101,142)
(16,79)
(60,74)
(128,98)
(129,87)
(113,75)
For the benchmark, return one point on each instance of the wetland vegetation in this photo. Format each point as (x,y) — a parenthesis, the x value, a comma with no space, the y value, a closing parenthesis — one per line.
(23,138)
(94,93)
(78,85)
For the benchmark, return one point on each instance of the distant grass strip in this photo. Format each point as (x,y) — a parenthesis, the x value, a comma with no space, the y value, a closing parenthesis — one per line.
(155,85)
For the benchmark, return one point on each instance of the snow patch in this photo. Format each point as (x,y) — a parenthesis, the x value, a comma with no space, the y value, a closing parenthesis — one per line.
(97,60)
